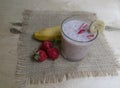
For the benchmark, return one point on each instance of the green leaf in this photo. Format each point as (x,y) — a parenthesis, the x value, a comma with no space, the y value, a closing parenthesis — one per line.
(36,56)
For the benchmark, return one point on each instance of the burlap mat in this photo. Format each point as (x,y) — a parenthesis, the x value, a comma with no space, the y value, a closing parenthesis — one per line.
(99,62)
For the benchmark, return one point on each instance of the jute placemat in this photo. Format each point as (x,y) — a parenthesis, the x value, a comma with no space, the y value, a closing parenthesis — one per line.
(100,60)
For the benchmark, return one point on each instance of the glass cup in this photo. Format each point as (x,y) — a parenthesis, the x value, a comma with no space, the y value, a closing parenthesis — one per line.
(71,49)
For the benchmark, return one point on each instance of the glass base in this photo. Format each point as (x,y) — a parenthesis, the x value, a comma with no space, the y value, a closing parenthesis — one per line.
(70,59)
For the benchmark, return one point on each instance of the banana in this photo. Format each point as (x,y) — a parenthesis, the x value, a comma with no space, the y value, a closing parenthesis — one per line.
(51,33)
(97,25)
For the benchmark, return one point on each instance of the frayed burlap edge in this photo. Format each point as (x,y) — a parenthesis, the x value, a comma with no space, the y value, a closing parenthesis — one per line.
(22,80)
(20,69)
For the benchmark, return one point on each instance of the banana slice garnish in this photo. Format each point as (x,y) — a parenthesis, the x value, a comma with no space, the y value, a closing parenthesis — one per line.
(97,25)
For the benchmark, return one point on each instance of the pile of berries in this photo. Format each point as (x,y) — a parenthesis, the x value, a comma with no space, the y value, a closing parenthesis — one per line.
(46,50)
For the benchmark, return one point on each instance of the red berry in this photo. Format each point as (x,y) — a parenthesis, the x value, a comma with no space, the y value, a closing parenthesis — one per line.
(40,56)
(81,31)
(82,28)
(53,53)
(90,36)
(46,45)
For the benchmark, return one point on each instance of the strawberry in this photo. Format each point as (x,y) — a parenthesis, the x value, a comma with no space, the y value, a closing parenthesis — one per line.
(81,31)
(53,53)
(40,56)
(46,45)
(82,28)
(90,36)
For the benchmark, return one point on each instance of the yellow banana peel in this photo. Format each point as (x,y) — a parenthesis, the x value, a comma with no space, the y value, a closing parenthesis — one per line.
(51,33)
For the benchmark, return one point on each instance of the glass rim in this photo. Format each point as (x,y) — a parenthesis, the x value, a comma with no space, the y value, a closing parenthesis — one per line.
(73,39)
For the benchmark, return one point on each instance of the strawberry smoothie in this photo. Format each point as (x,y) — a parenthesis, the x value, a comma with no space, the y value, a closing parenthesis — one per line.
(76,39)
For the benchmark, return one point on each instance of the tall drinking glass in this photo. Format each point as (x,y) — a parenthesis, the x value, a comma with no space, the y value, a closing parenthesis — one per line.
(76,39)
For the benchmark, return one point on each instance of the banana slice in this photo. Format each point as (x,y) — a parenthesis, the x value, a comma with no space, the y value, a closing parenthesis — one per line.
(97,25)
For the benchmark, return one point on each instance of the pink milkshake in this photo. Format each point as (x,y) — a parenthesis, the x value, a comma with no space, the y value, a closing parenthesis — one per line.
(76,39)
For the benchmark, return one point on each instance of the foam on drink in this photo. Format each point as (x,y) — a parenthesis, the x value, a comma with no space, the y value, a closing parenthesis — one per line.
(77,30)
